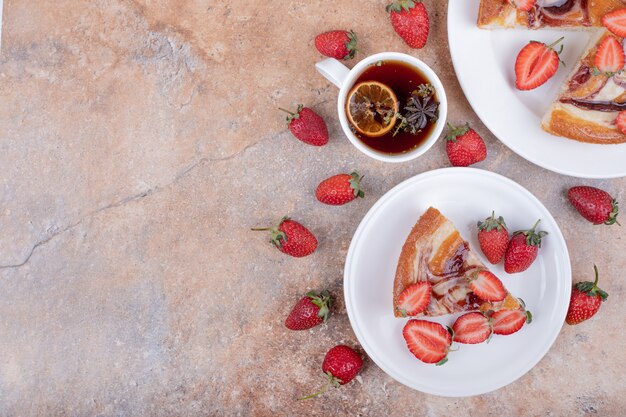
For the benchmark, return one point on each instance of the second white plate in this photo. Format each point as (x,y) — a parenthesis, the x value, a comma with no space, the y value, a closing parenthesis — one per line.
(464,195)
(484,62)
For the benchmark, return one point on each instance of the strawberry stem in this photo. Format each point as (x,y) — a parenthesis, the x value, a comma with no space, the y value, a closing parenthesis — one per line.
(532,229)
(595,282)
(318,393)
(287,111)
(330,381)
(552,45)
(260,229)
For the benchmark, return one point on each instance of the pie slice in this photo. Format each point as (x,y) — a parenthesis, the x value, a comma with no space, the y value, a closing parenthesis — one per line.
(435,252)
(589,102)
(569,14)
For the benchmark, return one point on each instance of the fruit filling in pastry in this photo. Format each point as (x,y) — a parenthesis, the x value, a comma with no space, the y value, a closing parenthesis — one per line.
(438,274)
(536,14)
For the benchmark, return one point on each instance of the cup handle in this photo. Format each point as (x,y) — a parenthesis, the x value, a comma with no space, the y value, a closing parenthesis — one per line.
(333,70)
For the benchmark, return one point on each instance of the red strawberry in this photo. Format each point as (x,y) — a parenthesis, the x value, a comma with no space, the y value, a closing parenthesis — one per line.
(472,328)
(307,126)
(609,56)
(523,5)
(414,299)
(536,63)
(340,189)
(464,146)
(522,250)
(487,286)
(409,19)
(594,204)
(311,310)
(341,364)
(620,120)
(585,301)
(292,238)
(428,341)
(507,322)
(616,22)
(493,237)
(338,44)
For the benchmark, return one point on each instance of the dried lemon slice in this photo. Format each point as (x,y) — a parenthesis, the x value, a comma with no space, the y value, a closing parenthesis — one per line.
(371,108)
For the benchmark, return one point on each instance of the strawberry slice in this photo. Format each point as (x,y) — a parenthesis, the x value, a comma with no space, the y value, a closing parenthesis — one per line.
(523,5)
(471,328)
(414,299)
(621,121)
(428,341)
(487,286)
(509,321)
(609,56)
(536,63)
(616,22)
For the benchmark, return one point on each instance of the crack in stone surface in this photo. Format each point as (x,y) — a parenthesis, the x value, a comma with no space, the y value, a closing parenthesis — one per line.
(136,197)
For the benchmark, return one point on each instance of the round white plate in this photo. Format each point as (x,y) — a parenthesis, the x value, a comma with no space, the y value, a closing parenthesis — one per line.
(484,62)
(464,195)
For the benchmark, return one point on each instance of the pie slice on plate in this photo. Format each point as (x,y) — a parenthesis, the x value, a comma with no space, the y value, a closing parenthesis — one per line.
(589,101)
(546,13)
(435,252)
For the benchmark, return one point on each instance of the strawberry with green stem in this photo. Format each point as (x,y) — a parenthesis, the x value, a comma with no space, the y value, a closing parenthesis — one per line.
(341,365)
(338,44)
(307,126)
(522,249)
(585,300)
(409,19)
(291,238)
(310,311)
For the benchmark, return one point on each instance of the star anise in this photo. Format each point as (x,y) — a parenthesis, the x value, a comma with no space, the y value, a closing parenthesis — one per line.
(418,112)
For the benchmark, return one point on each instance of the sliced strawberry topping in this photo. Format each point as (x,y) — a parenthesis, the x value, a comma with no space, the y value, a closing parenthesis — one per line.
(414,299)
(536,63)
(487,286)
(471,328)
(428,341)
(523,5)
(509,321)
(609,56)
(621,121)
(616,22)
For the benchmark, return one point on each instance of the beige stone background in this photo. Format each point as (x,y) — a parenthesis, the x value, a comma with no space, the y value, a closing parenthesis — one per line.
(139,141)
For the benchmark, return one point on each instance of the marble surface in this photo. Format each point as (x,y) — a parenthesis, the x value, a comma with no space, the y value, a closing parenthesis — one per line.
(139,142)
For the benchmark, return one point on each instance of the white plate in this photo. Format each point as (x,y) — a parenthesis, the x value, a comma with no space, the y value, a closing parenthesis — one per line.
(484,61)
(464,195)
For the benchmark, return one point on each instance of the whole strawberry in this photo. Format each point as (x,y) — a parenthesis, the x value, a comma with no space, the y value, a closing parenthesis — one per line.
(409,19)
(493,237)
(340,366)
(338,44)
(292,238)
(311,310)
(522,250)
(340,189)
(464,146)
(307,126)
(594,204)
(585,301)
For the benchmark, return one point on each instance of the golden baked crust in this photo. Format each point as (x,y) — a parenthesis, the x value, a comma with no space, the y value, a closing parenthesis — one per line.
(405,271)
(562,123)
(431,244)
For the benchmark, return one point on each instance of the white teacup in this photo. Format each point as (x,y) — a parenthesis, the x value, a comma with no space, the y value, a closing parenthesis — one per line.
(344,78)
